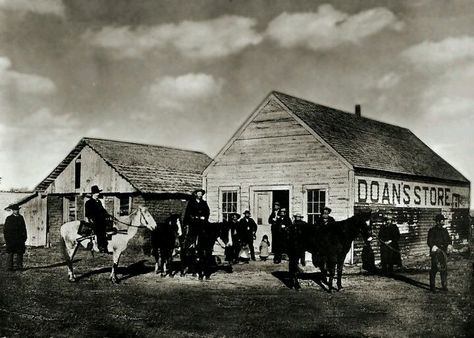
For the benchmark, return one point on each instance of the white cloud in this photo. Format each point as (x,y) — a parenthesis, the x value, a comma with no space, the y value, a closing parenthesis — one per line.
(22,82)
(214,38)
(328,27)
(388,80)
(441,53)
(43,138)
(177,93)
(54,7)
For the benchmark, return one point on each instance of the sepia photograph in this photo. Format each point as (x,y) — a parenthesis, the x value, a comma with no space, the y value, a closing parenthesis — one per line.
(236,168)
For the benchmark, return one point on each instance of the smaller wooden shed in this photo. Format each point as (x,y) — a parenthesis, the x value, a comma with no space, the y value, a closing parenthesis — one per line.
(130,174)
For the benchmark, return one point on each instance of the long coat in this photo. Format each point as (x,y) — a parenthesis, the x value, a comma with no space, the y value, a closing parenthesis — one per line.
(14,232)
(390,253)
(246,229)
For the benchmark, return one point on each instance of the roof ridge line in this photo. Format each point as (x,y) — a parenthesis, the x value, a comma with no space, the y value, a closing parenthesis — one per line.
(87,138)
(337,110)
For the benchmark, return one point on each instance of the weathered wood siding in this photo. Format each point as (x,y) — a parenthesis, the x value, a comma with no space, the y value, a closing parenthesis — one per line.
(275,150)
(94,171)
(35,214)
(414,213)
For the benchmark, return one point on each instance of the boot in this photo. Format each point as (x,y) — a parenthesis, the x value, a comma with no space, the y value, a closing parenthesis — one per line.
(444,281)
(433,282)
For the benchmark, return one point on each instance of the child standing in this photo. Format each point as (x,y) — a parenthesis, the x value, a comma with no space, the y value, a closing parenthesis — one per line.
(264,248)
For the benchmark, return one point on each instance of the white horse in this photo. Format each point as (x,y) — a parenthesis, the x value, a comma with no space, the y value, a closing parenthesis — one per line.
(127,228)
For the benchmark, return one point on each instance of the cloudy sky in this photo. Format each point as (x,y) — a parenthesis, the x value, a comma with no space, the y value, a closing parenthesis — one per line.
(188,73)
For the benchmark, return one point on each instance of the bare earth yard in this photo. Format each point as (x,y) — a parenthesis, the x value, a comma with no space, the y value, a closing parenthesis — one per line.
(251,301)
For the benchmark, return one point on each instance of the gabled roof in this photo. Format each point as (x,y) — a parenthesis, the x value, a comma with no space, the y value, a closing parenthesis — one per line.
(370,144)
(148,168)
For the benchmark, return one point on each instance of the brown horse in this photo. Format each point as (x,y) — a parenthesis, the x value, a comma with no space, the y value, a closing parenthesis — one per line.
(328,244)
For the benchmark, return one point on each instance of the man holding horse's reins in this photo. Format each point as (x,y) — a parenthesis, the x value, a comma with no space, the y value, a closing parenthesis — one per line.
(97,216)
(439,242)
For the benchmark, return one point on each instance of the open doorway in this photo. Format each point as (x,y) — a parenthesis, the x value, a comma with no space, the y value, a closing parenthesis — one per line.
(283,197)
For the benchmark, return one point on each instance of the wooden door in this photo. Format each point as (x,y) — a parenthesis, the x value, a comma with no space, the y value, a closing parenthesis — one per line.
(262,210)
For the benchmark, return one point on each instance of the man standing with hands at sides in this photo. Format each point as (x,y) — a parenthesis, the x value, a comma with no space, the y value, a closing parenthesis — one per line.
(248,229)
(272,220)
(14,232)
(439,242)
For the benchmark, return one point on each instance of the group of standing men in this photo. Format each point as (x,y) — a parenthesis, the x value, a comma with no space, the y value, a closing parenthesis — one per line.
(281,225)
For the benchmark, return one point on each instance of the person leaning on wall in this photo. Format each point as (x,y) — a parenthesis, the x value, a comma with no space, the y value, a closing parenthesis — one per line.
(14,232)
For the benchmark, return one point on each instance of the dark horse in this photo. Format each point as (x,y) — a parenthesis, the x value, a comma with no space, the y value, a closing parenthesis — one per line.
(164,239)
(328,244)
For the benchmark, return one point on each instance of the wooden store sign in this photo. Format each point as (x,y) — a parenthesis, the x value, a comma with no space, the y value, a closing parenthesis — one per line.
(407,194)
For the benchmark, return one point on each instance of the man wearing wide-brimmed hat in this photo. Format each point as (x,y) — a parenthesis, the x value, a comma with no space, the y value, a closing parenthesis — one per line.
(247,230)
(325,217)
(439,242)
(198,232)
(14,232)
(97,215)
(389,235)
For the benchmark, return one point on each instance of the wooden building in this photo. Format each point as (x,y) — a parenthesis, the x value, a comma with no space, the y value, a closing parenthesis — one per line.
(130,174)
(306,156)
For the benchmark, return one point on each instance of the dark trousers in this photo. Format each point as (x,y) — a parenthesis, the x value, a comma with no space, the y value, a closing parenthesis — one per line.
(387,259)
(249,242)
(101,234)
(438,263)
(18,260)
(204,251)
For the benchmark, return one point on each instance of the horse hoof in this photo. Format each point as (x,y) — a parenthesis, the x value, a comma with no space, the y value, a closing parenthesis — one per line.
(163,275)
(72,280)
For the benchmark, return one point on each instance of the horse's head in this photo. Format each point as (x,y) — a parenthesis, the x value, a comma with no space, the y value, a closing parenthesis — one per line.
(144,218)
(363,224)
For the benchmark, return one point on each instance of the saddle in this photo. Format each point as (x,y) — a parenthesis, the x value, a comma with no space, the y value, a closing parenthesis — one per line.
(85,229)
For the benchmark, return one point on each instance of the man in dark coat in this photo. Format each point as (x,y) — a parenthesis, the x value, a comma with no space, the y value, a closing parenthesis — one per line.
(246,231)
(282,227)
(98,216)
(296,232)
(272,220)
(325,218)
(200,233)
(439,242)
(14,232)
(389,236)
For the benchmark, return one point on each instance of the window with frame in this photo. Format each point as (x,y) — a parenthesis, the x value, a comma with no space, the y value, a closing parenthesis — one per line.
(77,173)
(229,204)
(124,205)
(316,200)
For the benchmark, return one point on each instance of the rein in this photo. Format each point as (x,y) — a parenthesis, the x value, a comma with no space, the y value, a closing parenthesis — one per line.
(130,224)
(387,245)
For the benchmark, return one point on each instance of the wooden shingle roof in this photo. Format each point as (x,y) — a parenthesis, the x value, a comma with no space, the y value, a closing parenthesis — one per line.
(148,168)
(370,144)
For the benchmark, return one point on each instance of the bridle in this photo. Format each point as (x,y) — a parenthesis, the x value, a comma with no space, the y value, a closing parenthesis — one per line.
(142,217)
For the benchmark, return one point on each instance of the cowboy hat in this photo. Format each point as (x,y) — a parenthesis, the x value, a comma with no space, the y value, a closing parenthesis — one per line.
(95,189)
(13,207)
(327,208)
(247,212)
(199,190)
(439,217)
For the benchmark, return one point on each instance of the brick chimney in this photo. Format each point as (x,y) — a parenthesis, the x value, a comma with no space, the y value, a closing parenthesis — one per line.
(357,110)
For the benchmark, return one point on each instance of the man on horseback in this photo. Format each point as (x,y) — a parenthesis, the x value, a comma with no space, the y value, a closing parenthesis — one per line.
(199,233)
(98,217)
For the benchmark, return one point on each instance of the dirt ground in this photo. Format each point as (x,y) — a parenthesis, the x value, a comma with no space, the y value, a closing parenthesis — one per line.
(252,300)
